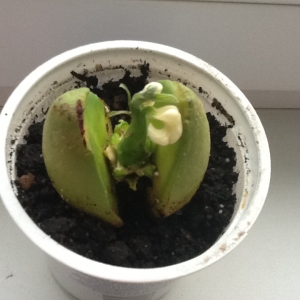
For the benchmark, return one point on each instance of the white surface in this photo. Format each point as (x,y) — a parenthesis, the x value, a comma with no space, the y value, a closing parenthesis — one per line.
(256,46)
(264,267)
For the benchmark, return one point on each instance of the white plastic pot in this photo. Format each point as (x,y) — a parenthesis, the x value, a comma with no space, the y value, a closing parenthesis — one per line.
(90,280)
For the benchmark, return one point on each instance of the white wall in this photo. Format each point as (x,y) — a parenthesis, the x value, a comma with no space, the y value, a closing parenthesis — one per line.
(257,46)
(281,2)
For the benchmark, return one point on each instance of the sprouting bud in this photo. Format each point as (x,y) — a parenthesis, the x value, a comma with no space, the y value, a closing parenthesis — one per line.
(165,126)
(151,89)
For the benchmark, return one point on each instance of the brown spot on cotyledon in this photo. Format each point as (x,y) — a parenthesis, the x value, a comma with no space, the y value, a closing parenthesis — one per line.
(79,113)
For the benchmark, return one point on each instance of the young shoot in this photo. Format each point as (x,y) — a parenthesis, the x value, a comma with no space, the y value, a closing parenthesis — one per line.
(155,120)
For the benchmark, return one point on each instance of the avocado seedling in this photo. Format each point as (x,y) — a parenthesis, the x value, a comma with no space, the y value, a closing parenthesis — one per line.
(167,139)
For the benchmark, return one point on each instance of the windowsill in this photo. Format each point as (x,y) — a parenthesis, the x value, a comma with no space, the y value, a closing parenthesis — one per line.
(268,2)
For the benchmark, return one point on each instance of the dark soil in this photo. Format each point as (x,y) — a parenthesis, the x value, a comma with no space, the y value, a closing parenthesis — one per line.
(144,241)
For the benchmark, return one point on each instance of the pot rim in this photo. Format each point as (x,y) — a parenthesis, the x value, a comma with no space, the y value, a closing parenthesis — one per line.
(121,274)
